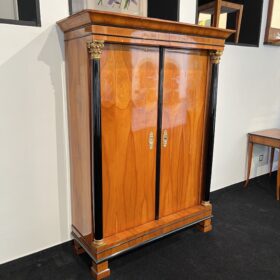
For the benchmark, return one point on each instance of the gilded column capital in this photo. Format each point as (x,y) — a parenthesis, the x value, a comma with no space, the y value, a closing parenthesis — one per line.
(216,56)
(95,48)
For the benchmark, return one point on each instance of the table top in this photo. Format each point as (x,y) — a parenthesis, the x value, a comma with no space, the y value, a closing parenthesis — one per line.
(273,133)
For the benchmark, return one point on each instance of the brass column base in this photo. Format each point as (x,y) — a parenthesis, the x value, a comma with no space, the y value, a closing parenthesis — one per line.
(99,243)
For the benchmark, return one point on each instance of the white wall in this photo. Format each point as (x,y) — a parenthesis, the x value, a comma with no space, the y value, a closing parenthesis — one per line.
(248,100)
(34,185)
(34,165)
(188,11)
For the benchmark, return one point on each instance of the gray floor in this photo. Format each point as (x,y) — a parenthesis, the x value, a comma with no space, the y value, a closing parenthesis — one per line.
(244,244)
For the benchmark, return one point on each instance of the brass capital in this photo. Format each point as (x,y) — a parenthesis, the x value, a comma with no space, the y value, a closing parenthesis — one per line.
(95,48)
(216,56)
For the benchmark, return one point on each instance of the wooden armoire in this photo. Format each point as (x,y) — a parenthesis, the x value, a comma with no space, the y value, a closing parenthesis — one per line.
(141,110)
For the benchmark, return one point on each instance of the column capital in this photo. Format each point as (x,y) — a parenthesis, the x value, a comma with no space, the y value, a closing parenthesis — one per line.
(95,48)
(215,56)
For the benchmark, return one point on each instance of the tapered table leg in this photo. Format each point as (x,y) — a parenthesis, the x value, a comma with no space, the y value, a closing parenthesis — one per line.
(238,24)
(271,160)
(250,155)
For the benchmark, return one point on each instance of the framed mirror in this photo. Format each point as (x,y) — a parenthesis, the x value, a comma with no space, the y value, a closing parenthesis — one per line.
(272,35)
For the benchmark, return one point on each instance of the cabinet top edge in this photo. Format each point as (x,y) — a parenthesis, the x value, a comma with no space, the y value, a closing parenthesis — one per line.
(92,17)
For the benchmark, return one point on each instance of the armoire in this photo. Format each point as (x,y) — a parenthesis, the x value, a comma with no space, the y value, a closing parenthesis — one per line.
(141,110)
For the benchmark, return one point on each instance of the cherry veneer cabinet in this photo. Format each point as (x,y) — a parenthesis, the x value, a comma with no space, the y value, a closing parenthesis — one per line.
(141,106)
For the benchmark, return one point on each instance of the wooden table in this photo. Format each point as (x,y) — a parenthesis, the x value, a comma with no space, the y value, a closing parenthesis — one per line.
(270,138)
(218,7)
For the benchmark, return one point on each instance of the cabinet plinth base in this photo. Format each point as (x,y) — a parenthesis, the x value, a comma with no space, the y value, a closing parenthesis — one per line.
(78,249)
(122,242)
(127,240)
(205,226)
(100,271)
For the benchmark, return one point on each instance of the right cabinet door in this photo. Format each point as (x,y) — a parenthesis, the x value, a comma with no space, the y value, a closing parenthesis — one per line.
(183,124)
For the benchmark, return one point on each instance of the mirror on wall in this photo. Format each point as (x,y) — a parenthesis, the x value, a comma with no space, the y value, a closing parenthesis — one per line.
(272,35)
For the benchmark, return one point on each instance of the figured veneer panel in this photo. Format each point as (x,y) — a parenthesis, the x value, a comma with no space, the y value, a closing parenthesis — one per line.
(184,97)
(129,90)
(78,98)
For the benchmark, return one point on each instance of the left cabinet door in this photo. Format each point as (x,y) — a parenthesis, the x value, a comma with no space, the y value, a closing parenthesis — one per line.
(129,96)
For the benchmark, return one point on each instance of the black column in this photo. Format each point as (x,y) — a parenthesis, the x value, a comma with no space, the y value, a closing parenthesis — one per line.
(211,121)
(159,129)
(95,49)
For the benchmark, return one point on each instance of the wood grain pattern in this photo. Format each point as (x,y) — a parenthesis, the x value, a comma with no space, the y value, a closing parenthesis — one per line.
(145,36)
(184,95)
(113,34)
(150,35)
(92,17)
(144,233)
(149,231)
(100,271)
(273,133)
(151,43)
(267,141)
(205,226)
(129,89)
(79,133)
(129,100)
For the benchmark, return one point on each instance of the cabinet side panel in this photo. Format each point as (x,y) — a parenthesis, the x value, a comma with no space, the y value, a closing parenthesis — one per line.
(183,123)
(129,90)
(78,97)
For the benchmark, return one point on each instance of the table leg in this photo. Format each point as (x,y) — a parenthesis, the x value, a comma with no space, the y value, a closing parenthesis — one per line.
(217,13)
(238,24)
(278,182)
(250,155)
(271,160)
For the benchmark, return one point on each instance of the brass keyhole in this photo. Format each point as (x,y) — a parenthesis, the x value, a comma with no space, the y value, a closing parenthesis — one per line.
(151,140)
(165,138)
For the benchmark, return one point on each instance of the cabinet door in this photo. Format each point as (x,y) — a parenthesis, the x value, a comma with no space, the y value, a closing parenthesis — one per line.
(129,92)
(183,122)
